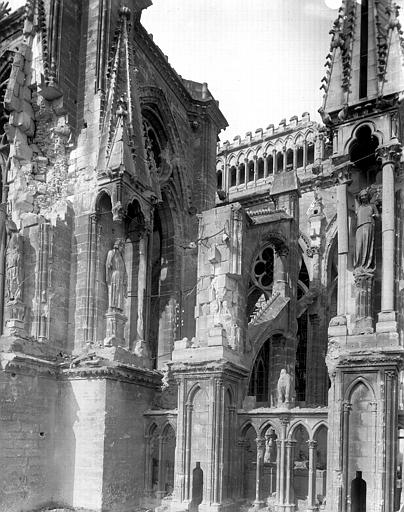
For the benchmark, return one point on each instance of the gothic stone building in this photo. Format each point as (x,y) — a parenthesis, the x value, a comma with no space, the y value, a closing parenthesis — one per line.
(186,327)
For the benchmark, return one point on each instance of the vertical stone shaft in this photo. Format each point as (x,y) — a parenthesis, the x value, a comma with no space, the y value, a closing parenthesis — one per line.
(147,471)
(91,272)
(217,437)
(343,245)
(42,281)
(188,451)
(260,464)
(278,469)
(345,457)
(289,472)
(388,230)
(311,495)
(141,287)
(282,463)
(390,440)
(3,238)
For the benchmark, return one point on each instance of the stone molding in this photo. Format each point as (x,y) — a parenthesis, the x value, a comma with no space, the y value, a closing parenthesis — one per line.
(29,365)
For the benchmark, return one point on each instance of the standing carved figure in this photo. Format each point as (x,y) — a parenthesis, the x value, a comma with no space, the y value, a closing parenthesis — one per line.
(116,277)
(14,263)
(365,232)
(284,388)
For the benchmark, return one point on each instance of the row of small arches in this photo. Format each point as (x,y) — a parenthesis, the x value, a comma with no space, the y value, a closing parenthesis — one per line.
(261,167)
(295,426)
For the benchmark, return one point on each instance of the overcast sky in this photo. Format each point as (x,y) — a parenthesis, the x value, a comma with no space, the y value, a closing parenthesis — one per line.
(262,59)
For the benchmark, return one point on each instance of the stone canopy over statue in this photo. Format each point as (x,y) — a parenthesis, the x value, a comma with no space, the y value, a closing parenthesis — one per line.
(116,277)
(366,214)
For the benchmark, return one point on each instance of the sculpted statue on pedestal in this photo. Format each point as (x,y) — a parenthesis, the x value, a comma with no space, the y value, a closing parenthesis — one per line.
(116,277)
(14,263)
(284,388)
(365,232)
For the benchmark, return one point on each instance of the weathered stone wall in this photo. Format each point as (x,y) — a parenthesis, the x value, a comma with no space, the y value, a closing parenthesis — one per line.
(28,410)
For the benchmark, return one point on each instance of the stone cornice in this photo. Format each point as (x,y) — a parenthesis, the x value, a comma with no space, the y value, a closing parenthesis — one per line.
(119,372)
(29,365)
(208,369)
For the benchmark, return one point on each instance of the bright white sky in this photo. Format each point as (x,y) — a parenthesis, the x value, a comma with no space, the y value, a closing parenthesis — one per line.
(262,59)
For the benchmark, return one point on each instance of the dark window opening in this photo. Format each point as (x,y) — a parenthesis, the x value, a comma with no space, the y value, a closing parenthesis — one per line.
(259,377)
(310,153)
(279,162)
(289,159)
(299,157)
(219,180)
(362,154)
(301,358)
(363,65)
(250,170)
(242,173)
(233,176)
(270,161)
(260,168)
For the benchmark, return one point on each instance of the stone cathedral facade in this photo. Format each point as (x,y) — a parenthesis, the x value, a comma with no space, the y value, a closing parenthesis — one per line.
(186,326)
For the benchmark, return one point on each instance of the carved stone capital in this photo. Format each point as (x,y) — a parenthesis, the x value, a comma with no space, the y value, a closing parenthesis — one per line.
(347,406)
(389,154)
(343,174)
(311,444)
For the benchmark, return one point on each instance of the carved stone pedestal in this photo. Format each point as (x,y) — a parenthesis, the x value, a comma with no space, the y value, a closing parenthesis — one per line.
(15,322)
(363,313)
(115,329)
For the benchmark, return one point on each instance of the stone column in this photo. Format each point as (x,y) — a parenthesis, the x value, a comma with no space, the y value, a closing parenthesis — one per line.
(147,471)
(141,286)
(294,158)
(304,154)
(391,438)
(284,158)
(187,482)
(230,480)
(3,239)
(264,156)
(161,471)
(239,479)
(282,464)
(258,503)
(345,456)
(274,164)
(311,495)
(280,272)
(217,440)
(343,180)
(278,469)
(246,172)
(180,443)
(289,491)
(388,156)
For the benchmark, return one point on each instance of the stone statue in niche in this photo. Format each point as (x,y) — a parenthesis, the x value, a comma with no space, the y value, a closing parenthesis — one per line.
(116,277)
(284,388)
(365,232)
(14,263)
(270,446)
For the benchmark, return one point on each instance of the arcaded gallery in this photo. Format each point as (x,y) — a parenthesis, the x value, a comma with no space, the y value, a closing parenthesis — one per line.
(189,325)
